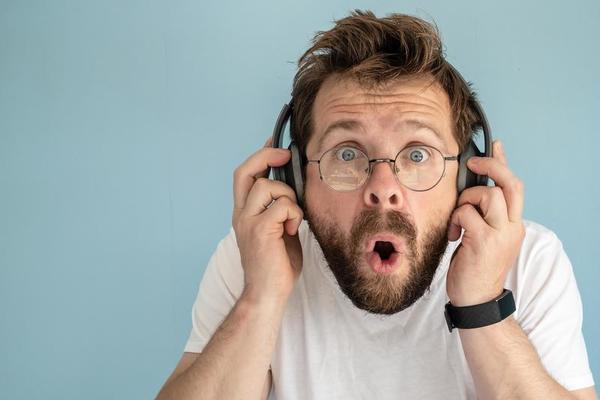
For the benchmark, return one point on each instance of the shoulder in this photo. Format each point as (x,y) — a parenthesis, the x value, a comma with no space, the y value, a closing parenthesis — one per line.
(541,250)
(224,272)
(542,272)
(227,254)
(538,236)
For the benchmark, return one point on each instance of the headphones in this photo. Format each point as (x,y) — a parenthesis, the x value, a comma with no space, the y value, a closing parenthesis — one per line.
(292,173)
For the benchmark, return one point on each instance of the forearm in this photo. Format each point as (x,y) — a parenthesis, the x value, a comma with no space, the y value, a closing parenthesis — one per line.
(505,365)
(235,362)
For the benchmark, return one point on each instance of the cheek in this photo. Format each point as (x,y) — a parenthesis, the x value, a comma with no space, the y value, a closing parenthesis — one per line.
(434,207)
(325,203)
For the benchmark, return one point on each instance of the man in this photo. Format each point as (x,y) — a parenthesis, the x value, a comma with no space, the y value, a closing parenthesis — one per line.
(351,304)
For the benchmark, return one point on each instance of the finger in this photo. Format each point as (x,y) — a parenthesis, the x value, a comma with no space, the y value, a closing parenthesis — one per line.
(263,193)
(511,186)
(454,232)
(466,217)
(253,168)
(498,152)
(285,210)
(491,202)
(268,144)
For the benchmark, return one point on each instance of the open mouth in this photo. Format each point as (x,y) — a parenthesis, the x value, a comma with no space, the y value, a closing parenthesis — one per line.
(383,253)
(384,249)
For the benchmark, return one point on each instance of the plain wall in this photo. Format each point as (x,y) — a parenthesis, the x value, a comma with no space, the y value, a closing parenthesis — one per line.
(121,123)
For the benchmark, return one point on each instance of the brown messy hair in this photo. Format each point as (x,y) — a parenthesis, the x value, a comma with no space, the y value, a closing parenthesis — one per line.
(374,51)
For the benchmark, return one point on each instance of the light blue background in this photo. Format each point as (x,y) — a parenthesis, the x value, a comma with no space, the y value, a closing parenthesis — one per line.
(121,124)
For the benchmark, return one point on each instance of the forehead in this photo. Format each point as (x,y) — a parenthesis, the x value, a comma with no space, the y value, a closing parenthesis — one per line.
(343,106)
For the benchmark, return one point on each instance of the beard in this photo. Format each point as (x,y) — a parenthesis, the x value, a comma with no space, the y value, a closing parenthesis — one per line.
(374,293)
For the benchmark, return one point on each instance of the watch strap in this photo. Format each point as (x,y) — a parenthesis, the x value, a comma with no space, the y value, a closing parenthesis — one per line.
(480,315)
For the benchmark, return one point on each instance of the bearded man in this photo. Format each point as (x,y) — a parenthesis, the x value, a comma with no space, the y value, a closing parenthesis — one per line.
(350,303)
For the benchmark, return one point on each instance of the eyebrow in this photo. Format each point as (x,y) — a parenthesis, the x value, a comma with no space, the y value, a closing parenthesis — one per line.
(354,125)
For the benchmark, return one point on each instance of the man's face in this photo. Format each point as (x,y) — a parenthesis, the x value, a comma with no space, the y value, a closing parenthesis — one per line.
(382,241)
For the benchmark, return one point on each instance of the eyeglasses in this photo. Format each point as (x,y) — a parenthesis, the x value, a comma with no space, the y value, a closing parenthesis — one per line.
(418,167)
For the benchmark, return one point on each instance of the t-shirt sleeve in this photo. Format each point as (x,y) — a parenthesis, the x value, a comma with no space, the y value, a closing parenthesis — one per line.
(219,290)
(549,308)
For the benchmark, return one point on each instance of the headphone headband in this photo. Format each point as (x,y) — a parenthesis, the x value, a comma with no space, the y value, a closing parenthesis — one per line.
(286,113)
(284,116)
(485,126)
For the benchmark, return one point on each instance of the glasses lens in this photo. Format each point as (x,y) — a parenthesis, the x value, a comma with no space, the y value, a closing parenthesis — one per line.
(344,168)
(420,167)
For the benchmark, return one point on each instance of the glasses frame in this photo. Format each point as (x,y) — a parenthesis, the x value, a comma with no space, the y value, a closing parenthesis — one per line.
(387,161)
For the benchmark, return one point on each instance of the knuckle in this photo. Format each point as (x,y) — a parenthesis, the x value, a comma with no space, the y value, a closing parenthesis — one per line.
(238,173)
(286,201)
(519,185)
(288,204)
(466,194)
(468,207)
(464,209)
(458,211)
(496,193)
(261,183)
(280,202)
(284,188)
(496,190)
(264,153)
(292,194)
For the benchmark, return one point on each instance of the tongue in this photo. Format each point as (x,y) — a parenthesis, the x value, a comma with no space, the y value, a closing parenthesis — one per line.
(380,266)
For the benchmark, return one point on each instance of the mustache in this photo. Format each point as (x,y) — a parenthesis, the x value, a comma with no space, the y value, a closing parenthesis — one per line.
(371,221)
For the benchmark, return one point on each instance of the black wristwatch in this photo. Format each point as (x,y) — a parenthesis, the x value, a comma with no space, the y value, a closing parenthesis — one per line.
(480,315)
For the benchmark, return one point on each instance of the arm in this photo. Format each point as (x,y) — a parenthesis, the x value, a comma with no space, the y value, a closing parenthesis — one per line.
(188,358)
(503,362)
(235,362)
(505,365)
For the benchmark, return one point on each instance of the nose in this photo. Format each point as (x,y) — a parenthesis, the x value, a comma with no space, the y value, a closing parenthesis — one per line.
(382,188)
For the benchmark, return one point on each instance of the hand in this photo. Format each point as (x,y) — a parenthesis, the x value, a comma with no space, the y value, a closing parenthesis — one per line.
(493,232)
(266,218)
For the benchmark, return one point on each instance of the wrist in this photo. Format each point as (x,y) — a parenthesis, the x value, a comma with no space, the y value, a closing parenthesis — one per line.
(480,315)
(260,298)
(464,300)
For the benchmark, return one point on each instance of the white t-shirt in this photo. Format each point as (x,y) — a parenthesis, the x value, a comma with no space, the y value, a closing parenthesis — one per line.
(329,349)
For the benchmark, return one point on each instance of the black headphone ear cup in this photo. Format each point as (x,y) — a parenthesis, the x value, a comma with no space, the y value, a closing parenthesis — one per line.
(294,173)
(466,177)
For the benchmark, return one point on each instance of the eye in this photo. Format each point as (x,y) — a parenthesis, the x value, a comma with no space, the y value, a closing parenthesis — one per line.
(346,154)
(418,155)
